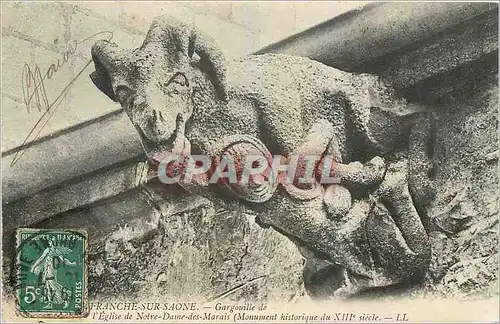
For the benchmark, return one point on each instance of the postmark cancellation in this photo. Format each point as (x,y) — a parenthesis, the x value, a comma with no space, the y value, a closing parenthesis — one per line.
(51,273)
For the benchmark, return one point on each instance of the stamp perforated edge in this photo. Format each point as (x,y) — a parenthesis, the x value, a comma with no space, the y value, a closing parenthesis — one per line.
(53,315)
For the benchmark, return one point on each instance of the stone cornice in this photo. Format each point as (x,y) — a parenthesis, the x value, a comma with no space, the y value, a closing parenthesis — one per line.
(357,38)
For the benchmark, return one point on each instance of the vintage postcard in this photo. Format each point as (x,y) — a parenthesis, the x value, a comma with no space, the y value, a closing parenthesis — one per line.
(249,161)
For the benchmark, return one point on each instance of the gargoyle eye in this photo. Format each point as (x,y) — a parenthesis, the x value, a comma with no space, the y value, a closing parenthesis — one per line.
(179,78)
(123,93)
(182,82)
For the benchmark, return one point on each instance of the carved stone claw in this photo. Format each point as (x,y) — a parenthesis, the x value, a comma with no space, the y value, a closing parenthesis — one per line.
(357,175)
(337,201)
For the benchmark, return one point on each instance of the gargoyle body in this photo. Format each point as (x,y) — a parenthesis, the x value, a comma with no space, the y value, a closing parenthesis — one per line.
(367,224)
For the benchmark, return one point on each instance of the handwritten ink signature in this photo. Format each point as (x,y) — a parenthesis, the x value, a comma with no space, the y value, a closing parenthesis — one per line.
(33,82)
(35,94)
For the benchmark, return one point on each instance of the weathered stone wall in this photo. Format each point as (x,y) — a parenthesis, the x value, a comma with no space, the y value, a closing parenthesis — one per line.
(465,261)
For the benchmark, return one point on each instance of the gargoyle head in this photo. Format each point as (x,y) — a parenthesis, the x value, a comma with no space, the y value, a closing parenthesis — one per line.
(156,82)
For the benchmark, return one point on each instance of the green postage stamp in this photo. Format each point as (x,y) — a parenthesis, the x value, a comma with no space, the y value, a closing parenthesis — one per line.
(51,273)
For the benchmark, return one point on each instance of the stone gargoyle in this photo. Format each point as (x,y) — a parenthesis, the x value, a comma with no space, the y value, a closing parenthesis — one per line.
(182,95)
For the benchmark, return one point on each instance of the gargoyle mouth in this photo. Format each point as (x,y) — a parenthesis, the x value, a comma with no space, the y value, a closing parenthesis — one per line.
(155,147)
(157,138)
(152,149)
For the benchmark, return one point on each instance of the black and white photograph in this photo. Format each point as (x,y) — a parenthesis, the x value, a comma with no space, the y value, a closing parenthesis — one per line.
(249,161)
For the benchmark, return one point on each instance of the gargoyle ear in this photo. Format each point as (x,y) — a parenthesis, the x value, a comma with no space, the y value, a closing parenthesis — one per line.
(103,83)
(106,58)
(211,59)
(100,77)
(187,39)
